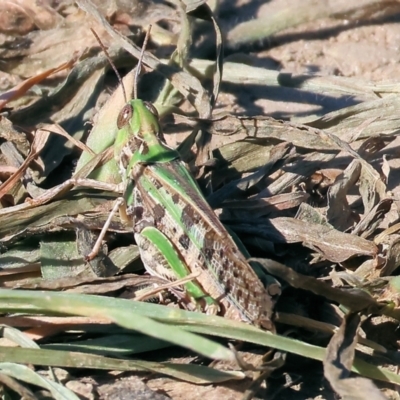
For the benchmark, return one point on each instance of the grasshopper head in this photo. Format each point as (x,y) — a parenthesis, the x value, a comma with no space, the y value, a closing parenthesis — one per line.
(141,116)
(139,138)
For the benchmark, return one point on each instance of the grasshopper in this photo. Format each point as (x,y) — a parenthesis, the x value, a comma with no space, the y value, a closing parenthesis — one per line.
(176,230)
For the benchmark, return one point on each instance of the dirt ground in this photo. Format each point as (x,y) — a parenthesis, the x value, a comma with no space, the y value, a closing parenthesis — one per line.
(366,49)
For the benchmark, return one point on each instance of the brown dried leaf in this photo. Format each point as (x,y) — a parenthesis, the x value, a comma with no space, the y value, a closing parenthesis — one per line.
(339,213)
(39,142)
(333,245)
(339,360)
(255,208)
(392,255)
(381,113)
(297,172)
(243,156)
(372,187)
(24,86)
(239,187)
(70,101)
(241,127)
(28,219)
(307,213)
(371,220)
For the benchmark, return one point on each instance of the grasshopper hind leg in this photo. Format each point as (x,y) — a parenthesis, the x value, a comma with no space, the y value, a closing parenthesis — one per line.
(160,258)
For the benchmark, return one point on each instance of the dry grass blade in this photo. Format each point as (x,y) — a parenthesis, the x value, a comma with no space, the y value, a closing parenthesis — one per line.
(58,130)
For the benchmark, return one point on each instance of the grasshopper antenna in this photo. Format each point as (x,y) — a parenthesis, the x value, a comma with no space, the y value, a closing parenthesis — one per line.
(111,63)
(139,65)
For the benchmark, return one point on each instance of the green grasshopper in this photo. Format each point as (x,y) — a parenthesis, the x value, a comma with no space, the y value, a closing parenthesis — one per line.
(176,230)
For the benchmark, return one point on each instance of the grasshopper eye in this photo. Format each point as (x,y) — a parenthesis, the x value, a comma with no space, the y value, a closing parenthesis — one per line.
(124,116)
(151,108)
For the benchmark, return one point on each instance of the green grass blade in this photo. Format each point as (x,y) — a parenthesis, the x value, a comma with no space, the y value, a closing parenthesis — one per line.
(112,345)
(197,374)
(121,312)
(126,311)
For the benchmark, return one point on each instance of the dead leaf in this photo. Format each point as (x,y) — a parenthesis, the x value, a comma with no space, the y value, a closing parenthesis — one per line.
(339,360)
(24,86)
(333,245)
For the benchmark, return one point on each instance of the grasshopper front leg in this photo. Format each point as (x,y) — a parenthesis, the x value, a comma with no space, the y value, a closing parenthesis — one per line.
(119,205)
